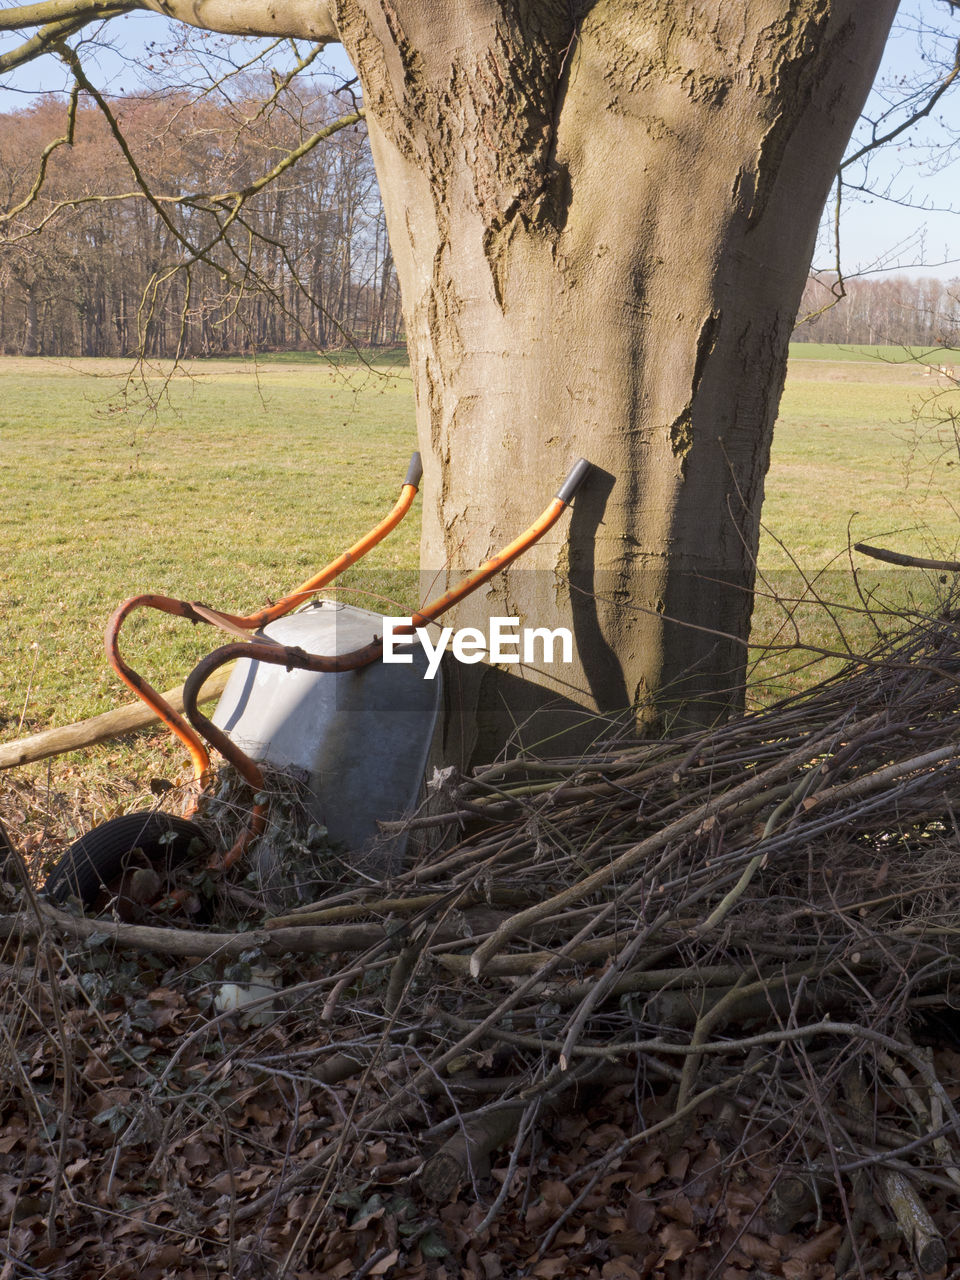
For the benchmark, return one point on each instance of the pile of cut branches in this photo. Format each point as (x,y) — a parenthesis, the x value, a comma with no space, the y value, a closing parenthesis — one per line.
(756,928)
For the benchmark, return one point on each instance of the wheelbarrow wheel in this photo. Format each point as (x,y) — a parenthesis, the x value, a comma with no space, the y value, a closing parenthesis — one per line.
(101,856)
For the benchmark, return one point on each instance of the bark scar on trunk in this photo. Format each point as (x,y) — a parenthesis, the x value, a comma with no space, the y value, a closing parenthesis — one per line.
(492,105)
(681,429)
(798,82)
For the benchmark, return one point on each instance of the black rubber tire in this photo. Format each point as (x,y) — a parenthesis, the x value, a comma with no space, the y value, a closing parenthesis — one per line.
(99,857)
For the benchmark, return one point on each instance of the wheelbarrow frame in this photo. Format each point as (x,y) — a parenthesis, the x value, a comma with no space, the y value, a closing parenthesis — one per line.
(91,861)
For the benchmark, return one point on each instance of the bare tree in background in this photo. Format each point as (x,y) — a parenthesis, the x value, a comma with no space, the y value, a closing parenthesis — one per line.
(93,268)
(899,310)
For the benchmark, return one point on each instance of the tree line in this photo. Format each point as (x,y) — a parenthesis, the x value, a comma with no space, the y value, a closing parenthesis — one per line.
(178,247)
(919,311)
(113,254)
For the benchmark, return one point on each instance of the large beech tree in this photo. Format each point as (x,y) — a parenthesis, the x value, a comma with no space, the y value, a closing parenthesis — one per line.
(602,214)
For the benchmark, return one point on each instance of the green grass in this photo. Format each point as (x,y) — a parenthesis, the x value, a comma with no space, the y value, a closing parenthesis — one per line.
(858,445)
(250,476)
(248,480)
(856,353)
(349,357)
(865,451)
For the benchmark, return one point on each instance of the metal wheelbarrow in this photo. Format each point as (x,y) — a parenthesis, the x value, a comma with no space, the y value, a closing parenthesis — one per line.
(309,692)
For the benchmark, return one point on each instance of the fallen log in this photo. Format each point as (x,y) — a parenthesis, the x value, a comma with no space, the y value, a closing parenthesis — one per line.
(792,1198)
(465,1154)
(111,724)
(915,1223)
(305,939)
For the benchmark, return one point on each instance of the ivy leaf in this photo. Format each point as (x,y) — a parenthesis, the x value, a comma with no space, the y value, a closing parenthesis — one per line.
(432,1246)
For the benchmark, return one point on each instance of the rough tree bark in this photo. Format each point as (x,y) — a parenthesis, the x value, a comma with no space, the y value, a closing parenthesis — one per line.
(602,216)
(602,213)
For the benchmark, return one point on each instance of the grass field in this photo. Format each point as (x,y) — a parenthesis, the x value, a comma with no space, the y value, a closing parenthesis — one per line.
(865,450)
(245,482)
(855,354)
(248,477)
(858,442)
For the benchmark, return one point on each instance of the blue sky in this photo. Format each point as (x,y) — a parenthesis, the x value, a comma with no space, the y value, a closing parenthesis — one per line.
(916,229)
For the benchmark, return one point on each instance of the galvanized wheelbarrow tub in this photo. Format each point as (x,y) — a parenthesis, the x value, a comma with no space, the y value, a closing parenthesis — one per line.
(360,738)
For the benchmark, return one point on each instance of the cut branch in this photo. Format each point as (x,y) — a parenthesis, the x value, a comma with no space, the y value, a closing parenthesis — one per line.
(307,939)
(111,724)
(912,562)
(462,1156)
(917,1226)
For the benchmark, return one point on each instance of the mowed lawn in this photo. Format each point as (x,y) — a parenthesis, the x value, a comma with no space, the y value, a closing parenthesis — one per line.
(869,441)
(244,482)
(866,450)
(248,478)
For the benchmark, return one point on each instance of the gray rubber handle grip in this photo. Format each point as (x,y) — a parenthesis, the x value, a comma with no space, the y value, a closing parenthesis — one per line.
(575,478)
(414,471)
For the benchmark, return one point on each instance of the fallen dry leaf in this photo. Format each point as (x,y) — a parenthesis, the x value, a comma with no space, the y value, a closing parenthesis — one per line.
(820,1247)
(620,1269)
(549,1268)
(384,1265)
(677,1241)
(758,1250)
(641,1213)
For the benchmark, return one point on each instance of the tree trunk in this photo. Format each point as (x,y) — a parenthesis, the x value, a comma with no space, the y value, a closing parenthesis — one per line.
(31,332)
(602,217)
